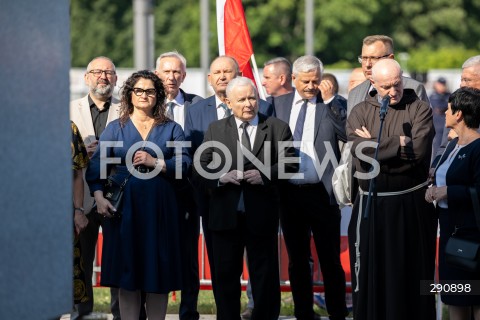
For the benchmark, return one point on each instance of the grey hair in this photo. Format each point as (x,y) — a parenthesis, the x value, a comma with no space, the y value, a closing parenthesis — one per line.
(240,82)
(100,57)
(173,54)
(472,62)
(307,64)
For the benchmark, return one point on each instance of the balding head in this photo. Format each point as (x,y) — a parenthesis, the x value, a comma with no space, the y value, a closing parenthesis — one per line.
(356,77)
(387,79)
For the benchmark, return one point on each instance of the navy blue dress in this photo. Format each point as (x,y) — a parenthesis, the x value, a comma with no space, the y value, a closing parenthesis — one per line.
(141,249)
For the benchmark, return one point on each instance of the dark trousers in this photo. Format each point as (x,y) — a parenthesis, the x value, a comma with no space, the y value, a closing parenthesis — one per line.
(207,234)
(88,241)
(305,211)
(262,252)
(190,230)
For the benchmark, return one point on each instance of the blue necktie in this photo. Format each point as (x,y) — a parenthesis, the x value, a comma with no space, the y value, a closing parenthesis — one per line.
(227,110)
(170,106)
(298,133)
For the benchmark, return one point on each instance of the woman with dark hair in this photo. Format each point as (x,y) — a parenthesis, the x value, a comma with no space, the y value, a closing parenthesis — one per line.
(457,172)
(141,246)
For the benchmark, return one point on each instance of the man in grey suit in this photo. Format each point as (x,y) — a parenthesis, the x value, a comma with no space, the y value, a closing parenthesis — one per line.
(91,114)
(172,69)
(374,48)
(307,201)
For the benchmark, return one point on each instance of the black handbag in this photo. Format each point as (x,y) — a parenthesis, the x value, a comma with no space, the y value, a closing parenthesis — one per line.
(461,252)
(113,192)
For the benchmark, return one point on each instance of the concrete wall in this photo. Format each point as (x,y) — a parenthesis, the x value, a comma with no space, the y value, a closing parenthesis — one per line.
(35,164)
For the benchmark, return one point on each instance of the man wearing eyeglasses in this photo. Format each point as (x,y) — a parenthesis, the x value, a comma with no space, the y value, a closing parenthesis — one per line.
(375,48)
(91,114)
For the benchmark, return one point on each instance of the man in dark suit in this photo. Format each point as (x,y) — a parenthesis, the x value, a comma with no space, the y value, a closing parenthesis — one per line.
(308,203)
(375,48)
(244,200)
(172,69)
(199,116)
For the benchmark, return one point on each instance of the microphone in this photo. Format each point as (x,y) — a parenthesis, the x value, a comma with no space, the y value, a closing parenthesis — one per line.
(384,107)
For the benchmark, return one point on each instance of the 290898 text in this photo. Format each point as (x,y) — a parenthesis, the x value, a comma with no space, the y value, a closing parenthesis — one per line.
(452,287)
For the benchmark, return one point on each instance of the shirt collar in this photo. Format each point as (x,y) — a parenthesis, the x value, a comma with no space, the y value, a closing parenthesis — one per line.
(298,99)
(179,100)
(253,122)
(92,104)
(218,102)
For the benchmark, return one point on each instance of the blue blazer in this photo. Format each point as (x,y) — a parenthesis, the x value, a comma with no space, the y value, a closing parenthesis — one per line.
(329,127)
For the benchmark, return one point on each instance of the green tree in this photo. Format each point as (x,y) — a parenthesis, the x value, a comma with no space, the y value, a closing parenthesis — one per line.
(101,28)
(277,27)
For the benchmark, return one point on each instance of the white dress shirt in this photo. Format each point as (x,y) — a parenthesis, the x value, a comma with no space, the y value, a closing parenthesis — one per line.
(220,111)
(307,150)
(178,109)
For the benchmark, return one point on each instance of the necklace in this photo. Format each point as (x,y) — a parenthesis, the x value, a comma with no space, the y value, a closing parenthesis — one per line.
(142,124)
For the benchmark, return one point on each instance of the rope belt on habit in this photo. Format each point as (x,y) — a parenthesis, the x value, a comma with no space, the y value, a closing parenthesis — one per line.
(360,215)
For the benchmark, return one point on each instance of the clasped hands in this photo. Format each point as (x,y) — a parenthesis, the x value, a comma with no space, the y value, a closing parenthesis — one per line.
(435,193)
(236,176)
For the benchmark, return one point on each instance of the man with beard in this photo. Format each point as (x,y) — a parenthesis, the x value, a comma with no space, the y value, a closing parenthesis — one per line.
(91,114)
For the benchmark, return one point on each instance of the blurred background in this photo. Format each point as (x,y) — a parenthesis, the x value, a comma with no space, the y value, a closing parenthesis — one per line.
(432,37)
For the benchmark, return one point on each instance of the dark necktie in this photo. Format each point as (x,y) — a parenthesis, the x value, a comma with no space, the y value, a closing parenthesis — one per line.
(245,138)
(227,110)
(170,106)
(298,133)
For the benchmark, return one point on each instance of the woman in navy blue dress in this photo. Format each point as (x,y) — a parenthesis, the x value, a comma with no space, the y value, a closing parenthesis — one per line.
(141,248)
(459,170)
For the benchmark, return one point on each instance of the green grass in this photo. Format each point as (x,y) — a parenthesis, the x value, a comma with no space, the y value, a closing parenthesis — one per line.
(206,303)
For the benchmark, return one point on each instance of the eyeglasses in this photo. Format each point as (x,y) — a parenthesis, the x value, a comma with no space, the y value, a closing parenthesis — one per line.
(362,59)
(150,92)
(98,72)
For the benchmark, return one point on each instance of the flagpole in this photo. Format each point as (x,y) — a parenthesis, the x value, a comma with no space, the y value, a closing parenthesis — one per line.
(257,78)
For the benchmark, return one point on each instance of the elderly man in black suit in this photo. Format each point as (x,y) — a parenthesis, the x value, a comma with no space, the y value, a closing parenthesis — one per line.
(199,116)
(242,184)
(308,203)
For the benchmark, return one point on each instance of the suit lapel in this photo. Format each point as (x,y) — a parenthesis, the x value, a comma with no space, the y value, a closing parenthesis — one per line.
(212,110)
(320,110)
(232,139)
(86,127)
(113,111)
(260,136)
(283,106)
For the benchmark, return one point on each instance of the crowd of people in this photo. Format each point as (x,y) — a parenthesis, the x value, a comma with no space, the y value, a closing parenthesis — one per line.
(242,168)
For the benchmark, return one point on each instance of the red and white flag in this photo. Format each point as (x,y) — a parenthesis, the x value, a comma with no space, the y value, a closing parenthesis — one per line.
(233,36)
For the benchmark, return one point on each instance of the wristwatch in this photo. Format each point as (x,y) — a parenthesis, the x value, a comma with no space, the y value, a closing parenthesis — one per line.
(157,162)
(79,209)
